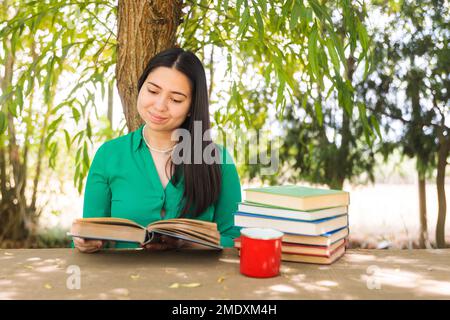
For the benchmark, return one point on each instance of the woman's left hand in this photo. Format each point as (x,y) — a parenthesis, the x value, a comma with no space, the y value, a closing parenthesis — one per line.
(165,244)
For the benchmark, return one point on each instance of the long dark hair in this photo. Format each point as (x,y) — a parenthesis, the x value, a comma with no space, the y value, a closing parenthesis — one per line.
(202,181)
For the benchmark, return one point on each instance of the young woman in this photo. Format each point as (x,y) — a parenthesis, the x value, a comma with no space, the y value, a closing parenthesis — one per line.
(135,176)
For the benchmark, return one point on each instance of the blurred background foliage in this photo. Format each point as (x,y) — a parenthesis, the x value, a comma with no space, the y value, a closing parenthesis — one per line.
(343,84)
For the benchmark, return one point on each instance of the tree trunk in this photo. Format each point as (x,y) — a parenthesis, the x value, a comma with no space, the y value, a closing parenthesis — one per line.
(14,219)
(443,153)
(423,236)
(3,181)
(110,103)
(144,29)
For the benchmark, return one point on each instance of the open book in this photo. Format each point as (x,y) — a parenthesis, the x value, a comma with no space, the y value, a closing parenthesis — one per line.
(197,232)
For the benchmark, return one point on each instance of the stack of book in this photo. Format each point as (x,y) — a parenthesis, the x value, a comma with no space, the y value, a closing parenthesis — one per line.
(314,221)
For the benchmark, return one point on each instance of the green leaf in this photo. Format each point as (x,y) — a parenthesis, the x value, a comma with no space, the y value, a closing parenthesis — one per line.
(62,104)
(80,183)
(320,11)
(55,123)
(229,64)
(89,130)
(3,122)
(6,97)
(77,156)
(68,140)
(78,135)
(347,101)
(86,46)
(368,64)
(296,11)
(376,125)
(283,107)
(53,155)
(263,5)
(362,34)
(280,93)
(48,138)
(305,16)
(76,114)
(333,55)
(19,97)
(30,85)
(362,114)
(48,79)
(243,23)
(238,6)
(240,105)
(267,72)
(304,101)
(12,108)
(339,48)
(313,58)
(319,114)
(85,155)
(323,63)
(225,5)
(259,22)
(103,89)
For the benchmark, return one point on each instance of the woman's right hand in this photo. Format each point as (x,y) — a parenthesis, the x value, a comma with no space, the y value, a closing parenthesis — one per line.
(87,245)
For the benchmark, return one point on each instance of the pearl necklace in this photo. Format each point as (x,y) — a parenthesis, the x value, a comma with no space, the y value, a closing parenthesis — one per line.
(152,148)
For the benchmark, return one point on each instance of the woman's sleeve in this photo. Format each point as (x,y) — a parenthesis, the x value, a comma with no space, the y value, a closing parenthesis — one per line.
(230,196)
(97,193)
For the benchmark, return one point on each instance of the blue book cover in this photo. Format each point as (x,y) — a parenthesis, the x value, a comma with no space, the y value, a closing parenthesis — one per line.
(239,213)
(327,234)
(289,225)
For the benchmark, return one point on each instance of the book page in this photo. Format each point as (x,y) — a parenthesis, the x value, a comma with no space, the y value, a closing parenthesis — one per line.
(186,229)
(111,221)
(187,238)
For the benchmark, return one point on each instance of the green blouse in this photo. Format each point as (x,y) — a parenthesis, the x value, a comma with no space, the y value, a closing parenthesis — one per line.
(123,183)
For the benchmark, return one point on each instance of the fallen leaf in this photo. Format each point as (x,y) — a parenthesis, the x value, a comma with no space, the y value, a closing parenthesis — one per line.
(185,285)
(48,286)
(221,279)
(34,259)
(134,276)
(191,285)
(121,291)
(29,267)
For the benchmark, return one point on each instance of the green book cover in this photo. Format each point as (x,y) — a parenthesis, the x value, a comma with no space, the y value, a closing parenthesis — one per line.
(256,204)
(296,191)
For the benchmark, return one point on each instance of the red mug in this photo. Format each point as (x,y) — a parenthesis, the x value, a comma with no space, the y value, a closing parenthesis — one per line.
(260,252)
